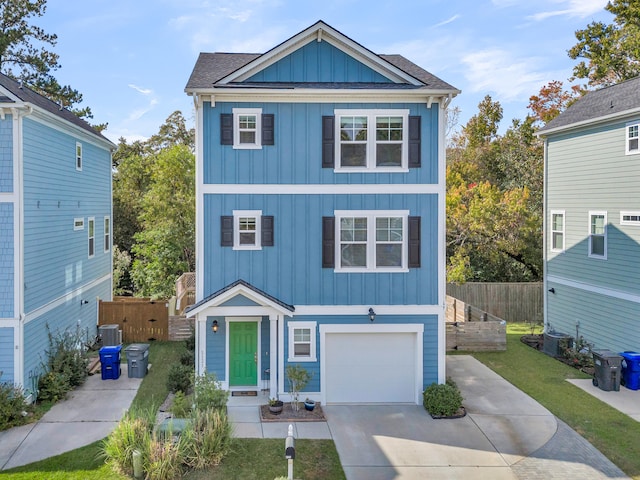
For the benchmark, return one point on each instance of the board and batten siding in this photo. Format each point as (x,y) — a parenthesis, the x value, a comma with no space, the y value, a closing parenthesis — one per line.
(7,260)
(55,255)
(589,171)
(6,154)
(292,270)
(6,355)
(296,156)
(318,62)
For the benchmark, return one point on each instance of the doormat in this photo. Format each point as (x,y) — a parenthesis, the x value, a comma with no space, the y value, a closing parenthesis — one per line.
(244,393)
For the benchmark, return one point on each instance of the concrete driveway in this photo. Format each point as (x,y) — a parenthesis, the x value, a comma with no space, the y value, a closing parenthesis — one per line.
(502,437)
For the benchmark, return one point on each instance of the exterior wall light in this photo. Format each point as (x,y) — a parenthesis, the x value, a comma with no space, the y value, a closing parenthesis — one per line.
(214,326)
(372,314)
(552,290)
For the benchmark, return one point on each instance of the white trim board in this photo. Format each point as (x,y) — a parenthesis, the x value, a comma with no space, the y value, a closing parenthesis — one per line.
(318,189)
(339,310)
(609,292)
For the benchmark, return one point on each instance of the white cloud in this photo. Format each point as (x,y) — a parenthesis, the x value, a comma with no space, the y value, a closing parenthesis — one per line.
(140,112)
(572,8)
(445,22)
(144,91)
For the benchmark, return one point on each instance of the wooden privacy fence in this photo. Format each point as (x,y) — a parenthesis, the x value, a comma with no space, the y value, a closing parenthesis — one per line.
(472,329)
(141,320)
(513,302)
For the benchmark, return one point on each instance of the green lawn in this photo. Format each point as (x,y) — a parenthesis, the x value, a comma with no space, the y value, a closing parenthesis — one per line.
(613,433)
(249,459)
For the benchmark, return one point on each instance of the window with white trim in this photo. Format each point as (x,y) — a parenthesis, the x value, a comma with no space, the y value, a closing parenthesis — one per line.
(78,156)
(91,224)
(631,145)
(247,128)
(371,140)
(78,223)
(630,218)
(247,232)
(598,234)
(107,234)
(302,341)
(371,240)
(557,230)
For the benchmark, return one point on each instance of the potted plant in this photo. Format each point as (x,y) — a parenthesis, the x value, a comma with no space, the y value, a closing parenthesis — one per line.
(444,400)
(309,404)
(275,406)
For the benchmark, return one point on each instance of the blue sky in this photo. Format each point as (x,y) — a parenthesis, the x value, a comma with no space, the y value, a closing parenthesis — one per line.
(131,59)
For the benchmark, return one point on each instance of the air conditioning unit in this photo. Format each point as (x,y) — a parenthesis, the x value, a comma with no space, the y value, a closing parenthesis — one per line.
(111,335)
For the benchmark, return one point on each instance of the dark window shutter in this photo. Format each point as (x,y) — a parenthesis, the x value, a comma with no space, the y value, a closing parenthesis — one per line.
(267,230)
(414,142)
(328,141)
(414,242)
(328,242)
(268,129)
(226,231)
(226,129)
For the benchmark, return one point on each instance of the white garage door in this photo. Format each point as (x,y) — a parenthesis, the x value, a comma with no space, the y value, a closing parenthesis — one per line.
(370,367)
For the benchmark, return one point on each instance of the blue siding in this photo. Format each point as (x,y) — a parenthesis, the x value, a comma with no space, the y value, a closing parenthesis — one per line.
(6,261)
(55,256)
(216,348)
(430,342)
(6,154)
(296,156)
(291,270)
(6,355)
(318,62)
(69,316)
(239,301)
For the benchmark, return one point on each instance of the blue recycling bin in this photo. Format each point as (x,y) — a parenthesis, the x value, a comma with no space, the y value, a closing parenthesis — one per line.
(110,362)
(631,370)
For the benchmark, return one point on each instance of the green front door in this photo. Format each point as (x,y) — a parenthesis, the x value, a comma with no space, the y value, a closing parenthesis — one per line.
(243,353)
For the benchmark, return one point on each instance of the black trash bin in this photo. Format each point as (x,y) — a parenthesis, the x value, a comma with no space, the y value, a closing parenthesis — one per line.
(137,359)
(608,367)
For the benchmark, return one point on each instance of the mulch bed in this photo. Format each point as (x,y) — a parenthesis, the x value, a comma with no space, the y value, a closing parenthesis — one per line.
(288,414)
(537,342)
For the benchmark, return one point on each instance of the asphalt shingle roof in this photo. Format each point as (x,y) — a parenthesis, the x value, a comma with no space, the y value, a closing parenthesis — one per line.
(29,96)
(599,103)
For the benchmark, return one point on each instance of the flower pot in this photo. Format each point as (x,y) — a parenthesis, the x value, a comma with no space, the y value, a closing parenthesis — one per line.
(276,407)
(309,405)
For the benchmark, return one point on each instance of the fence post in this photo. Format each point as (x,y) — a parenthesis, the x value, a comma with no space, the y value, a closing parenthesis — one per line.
(483,317)
(467,313)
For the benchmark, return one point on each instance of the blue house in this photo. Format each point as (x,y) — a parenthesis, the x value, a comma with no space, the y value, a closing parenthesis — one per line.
(320,205)
(592,218)
(55,228)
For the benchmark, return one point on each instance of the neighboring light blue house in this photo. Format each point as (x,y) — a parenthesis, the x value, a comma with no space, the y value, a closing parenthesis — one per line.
(592,218)
(320,219)
(55,228)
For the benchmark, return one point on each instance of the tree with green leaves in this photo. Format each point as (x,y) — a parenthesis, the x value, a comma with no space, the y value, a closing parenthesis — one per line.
(610,52)
(25,54)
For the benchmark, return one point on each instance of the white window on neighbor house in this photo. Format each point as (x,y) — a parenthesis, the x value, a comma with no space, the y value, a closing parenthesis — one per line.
(247,128)
(557,230)
(632,146)
(630,218)
(78,223)
(247,229)
(78,156)
(107,234)
(371,240)
(302,341)
(598,234)
(371,140)
(91,227)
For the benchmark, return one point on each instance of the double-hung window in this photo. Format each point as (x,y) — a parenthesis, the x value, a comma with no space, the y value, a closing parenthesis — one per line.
(91,224)
(247,126)
(598,234)
(632,133)
(107,234)
(302,342)
(78,156)
(247,231)
(371,241)
(371,140)
(557,231)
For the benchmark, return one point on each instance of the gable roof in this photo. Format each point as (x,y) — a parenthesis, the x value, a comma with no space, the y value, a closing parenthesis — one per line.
(229,69)
(240,287)
(24,94)
(607,103)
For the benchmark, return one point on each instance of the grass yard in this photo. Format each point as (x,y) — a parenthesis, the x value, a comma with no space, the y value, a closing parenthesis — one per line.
(615,434)
(249,459)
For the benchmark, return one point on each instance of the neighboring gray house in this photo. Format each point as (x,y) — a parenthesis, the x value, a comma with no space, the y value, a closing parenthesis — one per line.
(592,218)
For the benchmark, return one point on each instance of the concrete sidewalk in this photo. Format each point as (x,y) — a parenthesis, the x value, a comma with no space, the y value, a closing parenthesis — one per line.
(89,414)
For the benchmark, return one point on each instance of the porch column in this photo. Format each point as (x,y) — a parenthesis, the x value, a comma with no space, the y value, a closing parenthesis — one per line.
(201,344)
(273,355)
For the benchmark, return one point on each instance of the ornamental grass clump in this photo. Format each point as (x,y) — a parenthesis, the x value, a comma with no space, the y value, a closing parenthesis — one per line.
(131,434)
(442,400)
(207,438)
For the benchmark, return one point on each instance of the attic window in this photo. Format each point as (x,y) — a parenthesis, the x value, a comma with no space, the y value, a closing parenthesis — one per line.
(632,146)
(247,128)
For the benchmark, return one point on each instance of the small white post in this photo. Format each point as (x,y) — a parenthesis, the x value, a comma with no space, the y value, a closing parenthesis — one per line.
(290,452)
(137,464)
